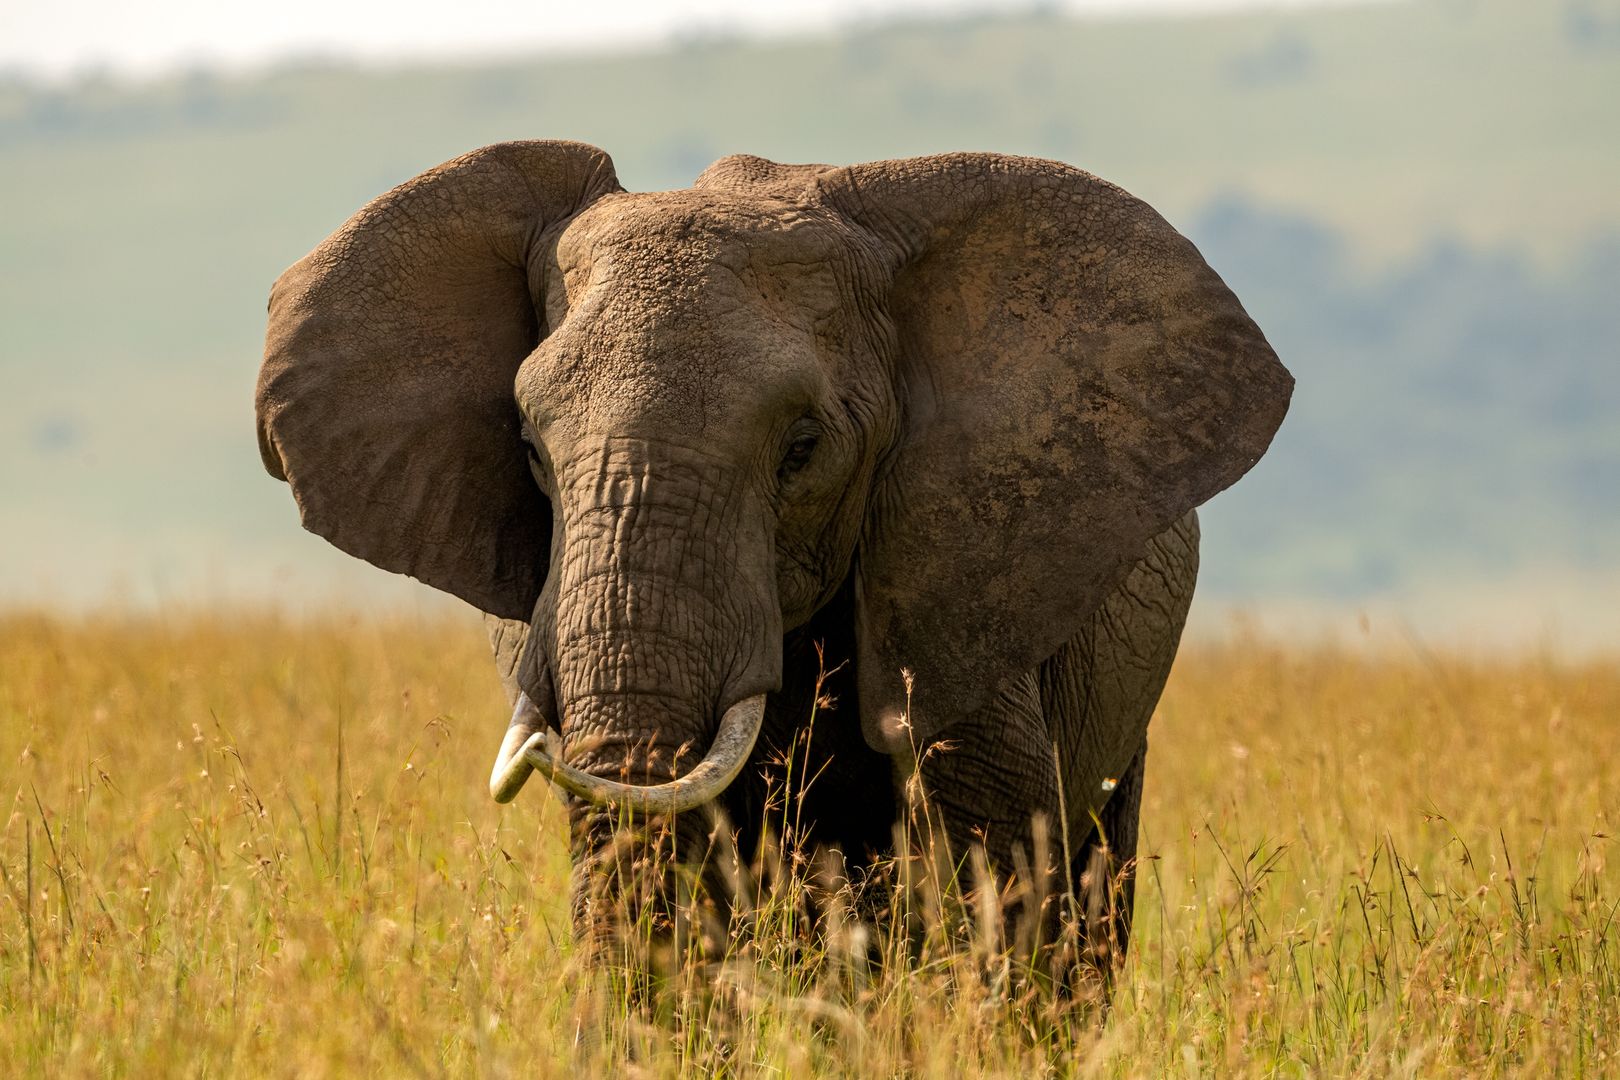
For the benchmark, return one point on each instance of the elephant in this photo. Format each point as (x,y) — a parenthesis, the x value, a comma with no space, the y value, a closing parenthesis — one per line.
(921,439)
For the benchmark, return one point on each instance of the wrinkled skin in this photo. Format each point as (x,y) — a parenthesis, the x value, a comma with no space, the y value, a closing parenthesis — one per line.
(945,415)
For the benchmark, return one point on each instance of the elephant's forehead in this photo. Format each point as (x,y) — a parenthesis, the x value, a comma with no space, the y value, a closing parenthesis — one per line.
(614,356)
(698,246)
(696,310)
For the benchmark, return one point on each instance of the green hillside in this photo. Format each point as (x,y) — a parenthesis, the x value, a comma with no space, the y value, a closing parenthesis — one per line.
(1417,200)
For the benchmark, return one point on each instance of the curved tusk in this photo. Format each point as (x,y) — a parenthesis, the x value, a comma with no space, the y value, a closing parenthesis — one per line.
(526,749)
(512,769)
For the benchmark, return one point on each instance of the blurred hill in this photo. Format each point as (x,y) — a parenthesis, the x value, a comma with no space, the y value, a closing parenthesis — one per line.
(1417,201)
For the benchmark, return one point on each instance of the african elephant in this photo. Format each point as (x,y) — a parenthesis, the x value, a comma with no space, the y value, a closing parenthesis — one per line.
(945,417)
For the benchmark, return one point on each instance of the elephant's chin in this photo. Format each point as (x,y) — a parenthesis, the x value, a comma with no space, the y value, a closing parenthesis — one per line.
(530,745)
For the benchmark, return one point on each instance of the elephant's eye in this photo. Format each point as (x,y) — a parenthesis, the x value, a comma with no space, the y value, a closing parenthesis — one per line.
(797,456)
(537,464)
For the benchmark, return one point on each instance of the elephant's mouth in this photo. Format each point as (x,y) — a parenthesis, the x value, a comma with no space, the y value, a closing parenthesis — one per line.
(530,745)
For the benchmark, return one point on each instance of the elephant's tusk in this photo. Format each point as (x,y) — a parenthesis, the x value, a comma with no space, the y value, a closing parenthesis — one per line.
(512,769)
(527,748)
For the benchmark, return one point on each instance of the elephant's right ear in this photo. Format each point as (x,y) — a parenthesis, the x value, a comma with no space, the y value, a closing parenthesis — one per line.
(385,398)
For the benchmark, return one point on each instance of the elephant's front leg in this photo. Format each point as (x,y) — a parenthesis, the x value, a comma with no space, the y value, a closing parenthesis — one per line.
(990,783)
(1098,693)
(1065,746)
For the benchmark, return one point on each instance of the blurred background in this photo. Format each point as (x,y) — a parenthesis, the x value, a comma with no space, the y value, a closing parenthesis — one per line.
(1418,201)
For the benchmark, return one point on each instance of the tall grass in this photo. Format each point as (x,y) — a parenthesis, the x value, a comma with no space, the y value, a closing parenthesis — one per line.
(252,846)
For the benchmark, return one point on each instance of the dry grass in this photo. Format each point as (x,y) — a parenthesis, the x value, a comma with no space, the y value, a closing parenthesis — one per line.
(264,848)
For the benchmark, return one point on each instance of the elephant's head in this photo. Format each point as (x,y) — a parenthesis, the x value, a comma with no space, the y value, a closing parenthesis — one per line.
(663,429)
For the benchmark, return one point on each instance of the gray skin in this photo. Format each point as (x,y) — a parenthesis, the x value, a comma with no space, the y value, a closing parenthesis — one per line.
(946,416)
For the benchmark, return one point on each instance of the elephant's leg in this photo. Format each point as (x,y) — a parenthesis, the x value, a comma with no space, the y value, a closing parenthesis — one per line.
(1104,873)
(1098,693)
(990,783)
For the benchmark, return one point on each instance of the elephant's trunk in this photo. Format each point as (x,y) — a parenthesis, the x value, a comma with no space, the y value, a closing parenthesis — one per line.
(660,634)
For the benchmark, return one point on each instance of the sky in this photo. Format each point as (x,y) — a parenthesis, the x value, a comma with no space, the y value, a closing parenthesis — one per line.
(64,38)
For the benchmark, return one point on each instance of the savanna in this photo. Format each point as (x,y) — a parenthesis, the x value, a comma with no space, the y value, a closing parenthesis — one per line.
(255,845)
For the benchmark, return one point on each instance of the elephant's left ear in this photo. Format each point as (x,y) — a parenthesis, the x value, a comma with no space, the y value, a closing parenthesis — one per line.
(1073,377)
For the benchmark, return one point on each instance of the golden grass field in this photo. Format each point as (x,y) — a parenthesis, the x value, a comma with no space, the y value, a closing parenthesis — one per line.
(253,846)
